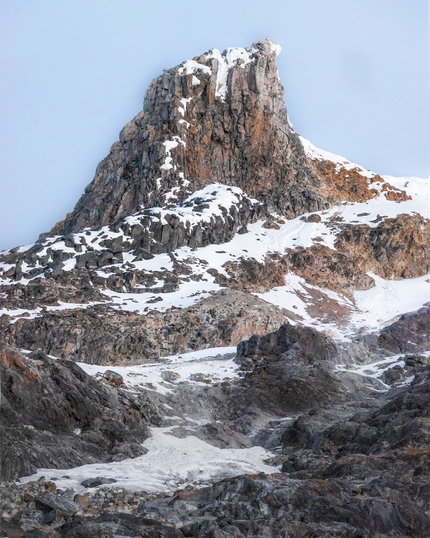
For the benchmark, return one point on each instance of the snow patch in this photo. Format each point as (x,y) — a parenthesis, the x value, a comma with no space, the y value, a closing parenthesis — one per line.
(170,463)
(228,59)
(169,145)
(216,364)
(191,66)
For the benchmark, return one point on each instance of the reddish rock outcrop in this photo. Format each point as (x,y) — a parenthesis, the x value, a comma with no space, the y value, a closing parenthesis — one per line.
(318,265)
(396,248)
(344,184)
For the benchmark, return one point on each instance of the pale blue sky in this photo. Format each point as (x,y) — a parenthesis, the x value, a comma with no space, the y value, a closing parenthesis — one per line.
(73,72)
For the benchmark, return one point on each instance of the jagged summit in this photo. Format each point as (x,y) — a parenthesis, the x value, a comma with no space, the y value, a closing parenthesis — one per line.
(219,118)
(216,118)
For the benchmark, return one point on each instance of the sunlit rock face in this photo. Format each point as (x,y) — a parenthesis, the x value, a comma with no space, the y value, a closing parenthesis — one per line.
(220,118)
(212,159)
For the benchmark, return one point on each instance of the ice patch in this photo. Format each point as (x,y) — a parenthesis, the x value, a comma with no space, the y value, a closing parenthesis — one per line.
(170,463)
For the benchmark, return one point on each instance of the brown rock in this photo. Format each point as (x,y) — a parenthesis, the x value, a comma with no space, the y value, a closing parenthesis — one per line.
(113,378)
(396,248)
(318,265)
(95,336)
(393,194)
(342,184)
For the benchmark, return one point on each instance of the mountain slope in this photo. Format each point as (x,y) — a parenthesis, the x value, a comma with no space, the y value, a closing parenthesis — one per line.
(212,224)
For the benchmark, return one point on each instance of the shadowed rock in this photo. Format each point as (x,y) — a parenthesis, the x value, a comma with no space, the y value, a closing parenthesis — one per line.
(55,415)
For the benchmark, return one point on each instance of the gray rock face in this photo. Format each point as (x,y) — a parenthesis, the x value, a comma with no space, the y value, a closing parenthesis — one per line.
(53,414)
(292,342)
(410,334)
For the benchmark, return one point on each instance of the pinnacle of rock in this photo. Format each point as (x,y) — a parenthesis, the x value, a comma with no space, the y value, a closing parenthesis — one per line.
(219,118)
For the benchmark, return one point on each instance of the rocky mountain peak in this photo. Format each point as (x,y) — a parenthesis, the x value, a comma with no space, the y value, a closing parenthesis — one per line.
(219,118)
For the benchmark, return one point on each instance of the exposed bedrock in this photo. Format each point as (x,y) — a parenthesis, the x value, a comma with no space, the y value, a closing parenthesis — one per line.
(288,370)
(318,265)
(289,342)
(410,334)
(211,120)
(165,231)
(395,248)
(98,335)
(55,415)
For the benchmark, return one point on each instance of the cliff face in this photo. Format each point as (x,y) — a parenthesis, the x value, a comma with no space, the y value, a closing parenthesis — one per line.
(219,118)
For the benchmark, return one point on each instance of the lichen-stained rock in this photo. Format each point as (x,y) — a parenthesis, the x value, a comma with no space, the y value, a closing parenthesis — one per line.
(319,265)
(98,335)
(345,184)
(55,415)
(247,274)
(324,267)
(395,248)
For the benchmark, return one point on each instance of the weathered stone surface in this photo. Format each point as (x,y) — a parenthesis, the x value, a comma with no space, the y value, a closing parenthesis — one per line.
(53,414)
(354,458)
(289,370)
(318,265)
(113,378)
(327,268)
(97,336)
(290,342)
(48,501)
(344,184)
(170,377)
(410,334)
(395,248)
(242,139)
